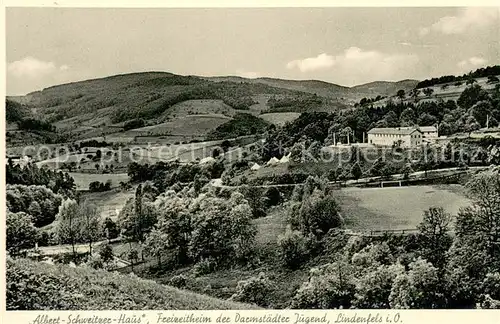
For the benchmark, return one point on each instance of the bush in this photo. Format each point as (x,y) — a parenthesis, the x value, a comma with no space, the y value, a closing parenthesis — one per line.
(97,186)
(255,290)
(204,267)
(318,214)
(20,233)
(292,247)
(178,281)
(135,123)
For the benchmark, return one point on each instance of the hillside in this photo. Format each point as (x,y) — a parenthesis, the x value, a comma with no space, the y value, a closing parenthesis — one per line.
(329,90)
(321,88)
(382,88)
(62,287)
(137,95)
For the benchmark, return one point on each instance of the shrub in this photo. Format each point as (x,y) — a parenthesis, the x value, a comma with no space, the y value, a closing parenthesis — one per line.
(255,290)
(21,233)
(319,213)
(204,267)
(292,247)
(178,281)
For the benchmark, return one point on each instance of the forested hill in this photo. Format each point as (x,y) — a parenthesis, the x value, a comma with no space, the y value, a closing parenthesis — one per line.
(147,95)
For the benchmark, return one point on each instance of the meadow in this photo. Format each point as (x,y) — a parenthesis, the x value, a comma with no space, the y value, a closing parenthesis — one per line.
(82,180)
(396,208)
(280,118)
(110,203)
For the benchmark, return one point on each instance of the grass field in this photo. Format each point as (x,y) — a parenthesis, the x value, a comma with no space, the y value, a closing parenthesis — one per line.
(396,207)
(200,107)
(82,180)
(110,203)
(280,118)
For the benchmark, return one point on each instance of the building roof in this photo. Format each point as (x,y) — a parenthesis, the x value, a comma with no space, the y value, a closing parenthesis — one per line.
(394,131)
(428,129)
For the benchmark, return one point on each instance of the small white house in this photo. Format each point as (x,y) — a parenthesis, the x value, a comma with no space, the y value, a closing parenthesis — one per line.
(429,131)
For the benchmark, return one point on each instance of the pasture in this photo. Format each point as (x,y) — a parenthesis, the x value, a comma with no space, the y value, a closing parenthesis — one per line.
(110,203)
(396,208)
(280,118)
(82,180)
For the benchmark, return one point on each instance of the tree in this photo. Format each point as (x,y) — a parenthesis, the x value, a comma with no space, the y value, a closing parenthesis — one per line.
(110,229)
(414,93)
(68,226)
(106,253)
(407,170)
(470,81)
(374,287)
(356,171)
(426,119)
(319,213)
(221,228)
(156,244)
(38,201)
(174,227)
(20,232)
(417,288)
(428,91)
(435,239)
(408,117)
(329,286)
(401,94)
(480,111)
(256,199)
(254,290)
(90,229)
(292,247)
(492,79)
(132,256)
(475,250)
(471,95)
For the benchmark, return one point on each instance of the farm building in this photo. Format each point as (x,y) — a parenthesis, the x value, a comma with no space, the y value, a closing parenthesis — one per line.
(429,131)
(406,136)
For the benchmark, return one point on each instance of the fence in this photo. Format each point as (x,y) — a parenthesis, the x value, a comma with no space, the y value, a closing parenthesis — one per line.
(382,232)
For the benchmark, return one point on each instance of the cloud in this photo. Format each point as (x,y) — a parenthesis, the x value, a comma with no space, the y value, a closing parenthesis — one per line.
(30,73)
(471,63)
(355,65)
(320,62)
(248,74)
(467,19)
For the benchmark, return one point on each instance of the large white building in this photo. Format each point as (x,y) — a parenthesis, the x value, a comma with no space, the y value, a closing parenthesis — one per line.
(406,136)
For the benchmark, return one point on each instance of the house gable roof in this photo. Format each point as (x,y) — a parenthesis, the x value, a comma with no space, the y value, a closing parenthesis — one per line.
(394,131)
(428,129)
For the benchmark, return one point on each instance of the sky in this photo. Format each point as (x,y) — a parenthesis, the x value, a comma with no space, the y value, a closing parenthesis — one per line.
(346,46)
